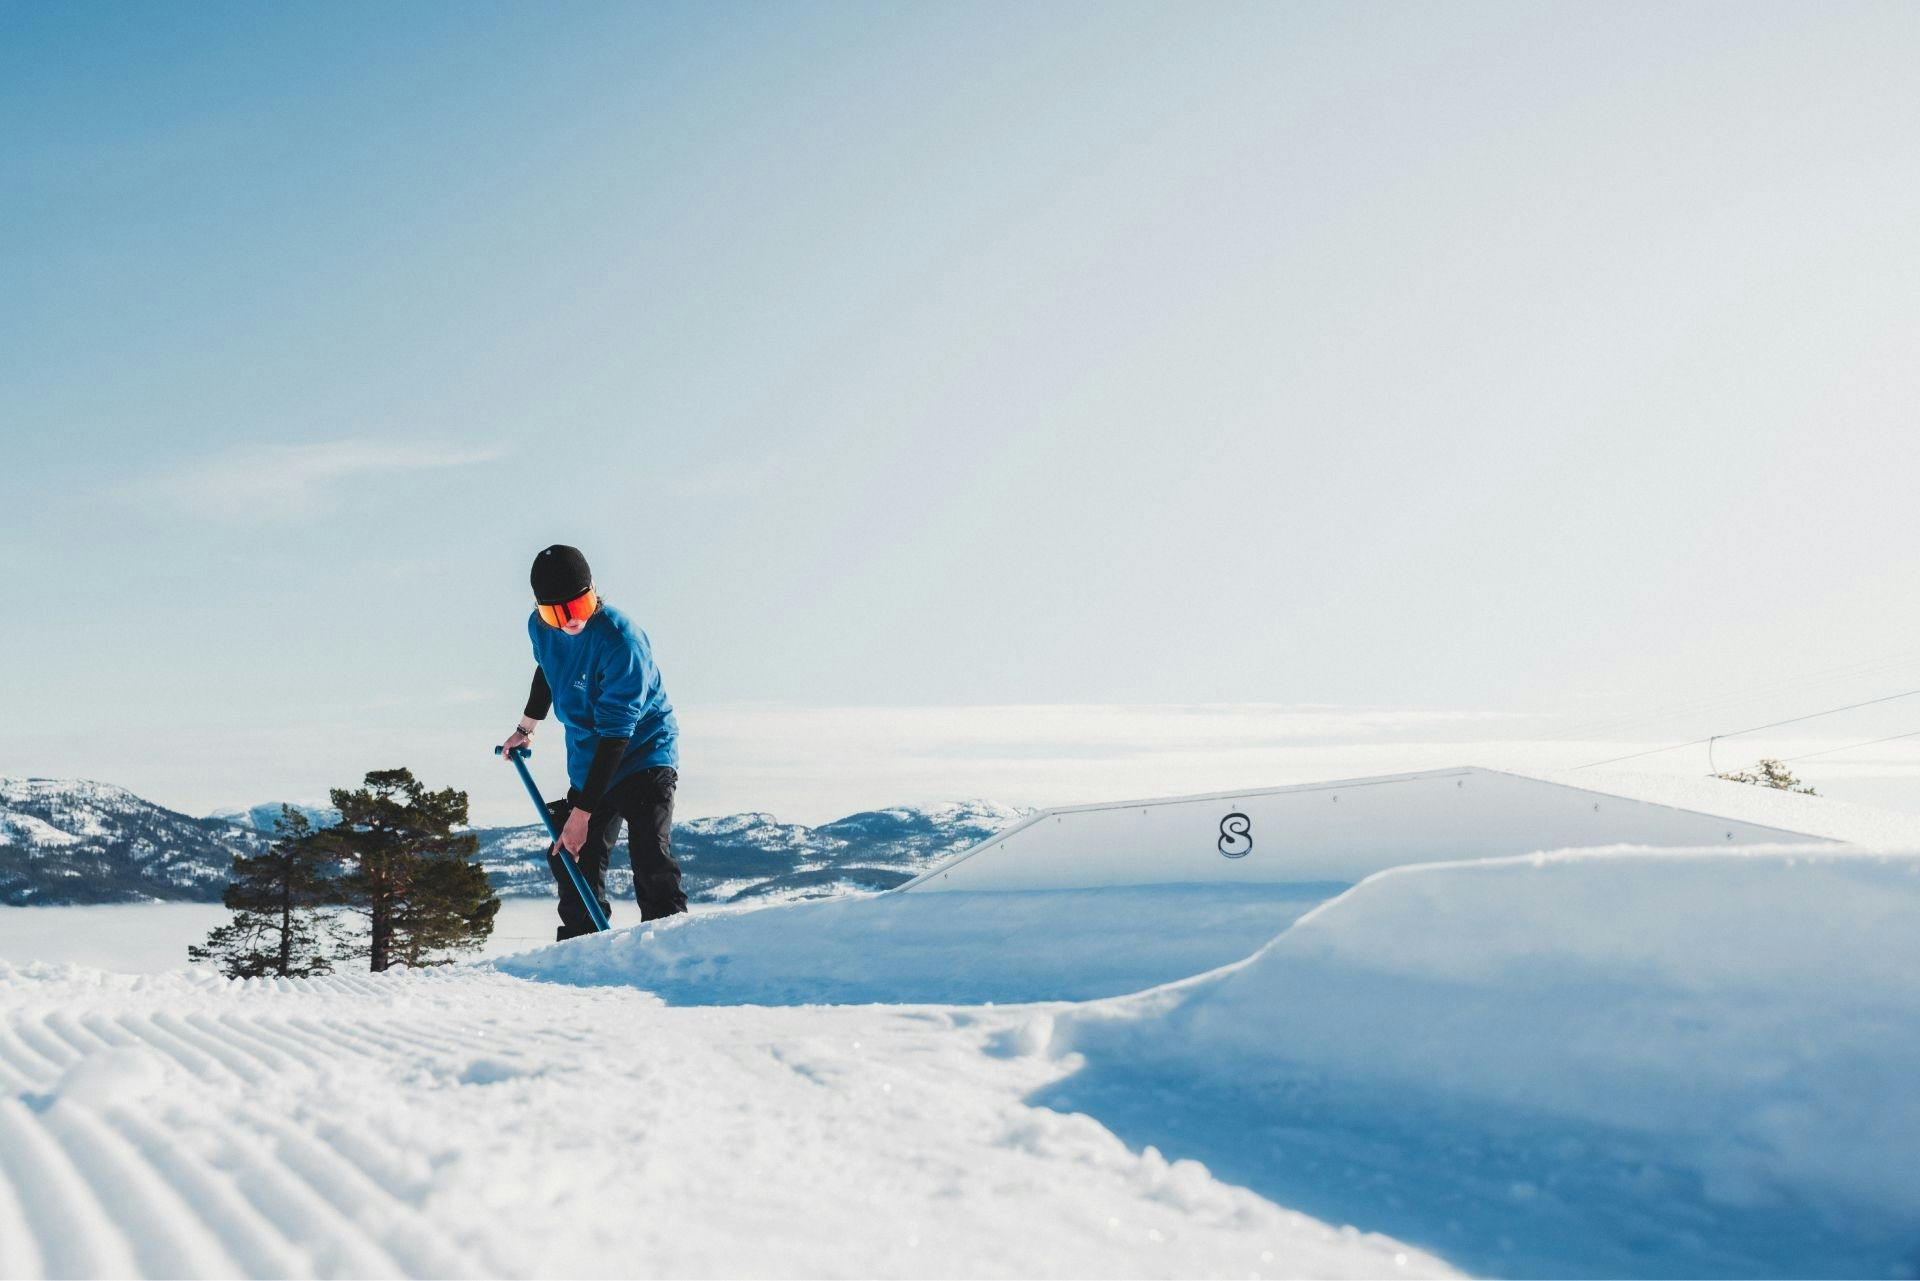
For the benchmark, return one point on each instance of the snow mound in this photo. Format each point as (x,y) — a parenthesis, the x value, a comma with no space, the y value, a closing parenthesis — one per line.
(922,948)
(1751,1018)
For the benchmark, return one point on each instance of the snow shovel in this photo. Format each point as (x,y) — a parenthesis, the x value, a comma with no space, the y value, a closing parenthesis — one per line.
(519,758)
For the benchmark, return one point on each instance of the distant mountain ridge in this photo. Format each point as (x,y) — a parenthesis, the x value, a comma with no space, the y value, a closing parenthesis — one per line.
(261,818)
(71,841)
(754,856)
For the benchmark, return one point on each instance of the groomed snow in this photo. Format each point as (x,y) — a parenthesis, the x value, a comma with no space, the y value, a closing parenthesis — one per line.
(467,1123)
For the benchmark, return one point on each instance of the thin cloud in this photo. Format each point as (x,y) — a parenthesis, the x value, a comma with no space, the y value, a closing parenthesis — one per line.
(294,481)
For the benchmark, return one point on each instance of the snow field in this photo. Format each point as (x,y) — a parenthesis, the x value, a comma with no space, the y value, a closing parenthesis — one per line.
(469,1123)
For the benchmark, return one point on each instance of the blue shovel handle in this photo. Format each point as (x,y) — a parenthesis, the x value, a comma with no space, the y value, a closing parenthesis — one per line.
(519,758)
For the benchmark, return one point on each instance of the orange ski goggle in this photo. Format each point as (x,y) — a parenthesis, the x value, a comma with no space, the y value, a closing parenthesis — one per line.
(577,610)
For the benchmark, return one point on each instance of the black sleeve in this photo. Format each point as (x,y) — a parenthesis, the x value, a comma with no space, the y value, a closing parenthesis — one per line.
(539,698)
(606,759)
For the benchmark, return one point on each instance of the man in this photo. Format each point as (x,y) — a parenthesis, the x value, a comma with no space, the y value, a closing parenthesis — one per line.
(595,670)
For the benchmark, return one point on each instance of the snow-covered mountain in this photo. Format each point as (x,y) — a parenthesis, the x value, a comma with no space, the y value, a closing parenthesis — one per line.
(756,856)
(65,841)
(261,818)
(73,841)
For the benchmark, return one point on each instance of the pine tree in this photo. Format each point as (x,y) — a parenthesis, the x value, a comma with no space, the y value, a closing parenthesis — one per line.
(409,871)
(278,898)
(1770,773)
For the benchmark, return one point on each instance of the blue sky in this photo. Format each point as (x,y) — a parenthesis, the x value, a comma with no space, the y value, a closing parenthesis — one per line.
(967,398)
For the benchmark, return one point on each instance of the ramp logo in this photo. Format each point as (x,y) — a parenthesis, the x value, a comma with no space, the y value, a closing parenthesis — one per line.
(1236,835)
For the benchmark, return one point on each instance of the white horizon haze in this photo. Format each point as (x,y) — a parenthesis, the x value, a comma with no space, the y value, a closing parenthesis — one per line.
(812,765)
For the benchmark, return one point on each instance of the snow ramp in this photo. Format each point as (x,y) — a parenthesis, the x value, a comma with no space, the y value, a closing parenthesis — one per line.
(1346,829)
(1625,1062)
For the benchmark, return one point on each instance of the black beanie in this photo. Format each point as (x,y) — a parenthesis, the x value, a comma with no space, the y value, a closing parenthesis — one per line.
(559,574)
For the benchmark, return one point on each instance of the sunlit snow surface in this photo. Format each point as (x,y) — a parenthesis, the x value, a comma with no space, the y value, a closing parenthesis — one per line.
(1604,1063)
(468,1123)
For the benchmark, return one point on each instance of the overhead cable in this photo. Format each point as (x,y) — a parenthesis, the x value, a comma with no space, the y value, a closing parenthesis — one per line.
(1791,720)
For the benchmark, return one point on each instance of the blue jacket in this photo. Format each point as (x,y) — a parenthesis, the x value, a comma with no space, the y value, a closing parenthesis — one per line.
(605,685)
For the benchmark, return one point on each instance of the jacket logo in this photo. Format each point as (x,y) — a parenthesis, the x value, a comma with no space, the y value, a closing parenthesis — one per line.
(1236,835)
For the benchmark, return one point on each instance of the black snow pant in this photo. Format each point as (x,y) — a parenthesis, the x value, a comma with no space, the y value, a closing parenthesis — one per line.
(645,803)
